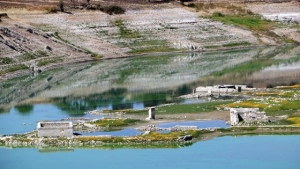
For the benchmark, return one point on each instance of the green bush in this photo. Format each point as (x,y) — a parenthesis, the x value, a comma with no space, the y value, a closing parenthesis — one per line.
(217,14)
(16,68)
(5,60)
(113,10)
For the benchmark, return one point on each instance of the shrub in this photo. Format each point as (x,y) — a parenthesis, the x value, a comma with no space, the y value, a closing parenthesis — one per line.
(5,60)
(113,10)
(61,5)
(16,68)
(217,14)
(51,9)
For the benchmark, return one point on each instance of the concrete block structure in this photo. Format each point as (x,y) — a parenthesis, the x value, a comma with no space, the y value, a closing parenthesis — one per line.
(55,129)
(247,115)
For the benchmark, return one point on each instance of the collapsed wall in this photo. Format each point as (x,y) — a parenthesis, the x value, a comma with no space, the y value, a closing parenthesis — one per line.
(247,115)
(55,129)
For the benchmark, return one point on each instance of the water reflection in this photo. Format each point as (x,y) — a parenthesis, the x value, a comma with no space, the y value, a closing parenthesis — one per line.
(199,124)
(24,109)
(136,83)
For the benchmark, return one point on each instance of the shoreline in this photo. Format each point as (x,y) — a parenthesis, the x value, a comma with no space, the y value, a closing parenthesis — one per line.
(20,141)
(21,73)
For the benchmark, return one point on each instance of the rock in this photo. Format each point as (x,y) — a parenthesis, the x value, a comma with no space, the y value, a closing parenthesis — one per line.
(30,30)
(48,48)
(146,133)
(185,138)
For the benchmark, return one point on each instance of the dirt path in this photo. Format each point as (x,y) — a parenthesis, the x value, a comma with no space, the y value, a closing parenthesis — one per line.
(215,115)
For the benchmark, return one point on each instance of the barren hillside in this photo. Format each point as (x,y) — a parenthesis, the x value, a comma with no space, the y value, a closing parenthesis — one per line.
(31,38)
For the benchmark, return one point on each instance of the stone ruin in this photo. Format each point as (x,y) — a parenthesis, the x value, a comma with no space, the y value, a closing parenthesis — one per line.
(55,129)
(247,115)
(151,113)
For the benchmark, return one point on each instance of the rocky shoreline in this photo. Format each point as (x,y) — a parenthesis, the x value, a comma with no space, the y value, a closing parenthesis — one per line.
(149,138)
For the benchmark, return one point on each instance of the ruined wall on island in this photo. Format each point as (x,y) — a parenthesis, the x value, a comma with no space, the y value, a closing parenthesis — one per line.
(247,115)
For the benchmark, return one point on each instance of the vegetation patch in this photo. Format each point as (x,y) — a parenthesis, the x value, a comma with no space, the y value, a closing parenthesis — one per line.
(248,104)
(251,22)
(43,62)
(236,44)
(113,9)
(16,67)
(246,68)
(5,60)
(296,86)
(124,32)
(294,121)
(31,56)
(190,108)
(126,111)
(115,122)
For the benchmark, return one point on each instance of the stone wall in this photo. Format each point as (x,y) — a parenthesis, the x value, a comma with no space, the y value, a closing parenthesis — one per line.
(247,115)
(55,129)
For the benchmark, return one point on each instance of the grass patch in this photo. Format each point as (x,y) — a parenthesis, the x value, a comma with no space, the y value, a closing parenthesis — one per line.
(5,60)
(115,122)
(283,106)
(248,21)
(294,121)
(31,56)
(124,32)
(248,104)
(296,86)
(127,111)
(16,67)
(236,44)
(190,108)
(43,62)
(211,47)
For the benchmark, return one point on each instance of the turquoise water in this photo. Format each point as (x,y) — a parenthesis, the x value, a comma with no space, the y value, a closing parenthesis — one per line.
(259,152)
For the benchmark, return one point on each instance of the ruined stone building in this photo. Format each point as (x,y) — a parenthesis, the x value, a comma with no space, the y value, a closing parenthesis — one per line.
(247,115)
(55,129)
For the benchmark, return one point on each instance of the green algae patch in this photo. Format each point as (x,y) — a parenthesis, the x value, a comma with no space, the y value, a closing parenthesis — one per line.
(115,122)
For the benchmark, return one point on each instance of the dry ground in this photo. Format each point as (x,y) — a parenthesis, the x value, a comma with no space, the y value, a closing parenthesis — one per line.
(78,35)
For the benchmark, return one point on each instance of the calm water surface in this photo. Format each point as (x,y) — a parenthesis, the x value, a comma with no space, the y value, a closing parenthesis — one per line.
(136,83)
(259,152)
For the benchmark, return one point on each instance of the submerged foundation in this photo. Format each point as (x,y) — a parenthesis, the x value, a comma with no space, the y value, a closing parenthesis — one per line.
(55,129)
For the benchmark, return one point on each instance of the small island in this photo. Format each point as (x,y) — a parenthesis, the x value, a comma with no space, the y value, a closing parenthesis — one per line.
(265,112)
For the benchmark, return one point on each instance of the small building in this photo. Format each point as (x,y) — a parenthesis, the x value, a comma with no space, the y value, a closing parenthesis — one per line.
(55,129)
(247,115)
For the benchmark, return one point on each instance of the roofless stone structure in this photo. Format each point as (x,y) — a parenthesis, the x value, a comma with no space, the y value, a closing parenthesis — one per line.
(247,115)
(55,129)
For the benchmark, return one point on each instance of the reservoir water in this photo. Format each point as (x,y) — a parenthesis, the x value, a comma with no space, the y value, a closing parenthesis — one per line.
(138,83)
(246,152)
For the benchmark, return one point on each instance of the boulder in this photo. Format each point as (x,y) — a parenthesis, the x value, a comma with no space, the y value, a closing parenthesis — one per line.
(185,138)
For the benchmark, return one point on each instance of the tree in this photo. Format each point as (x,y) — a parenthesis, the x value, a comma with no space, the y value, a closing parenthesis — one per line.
(61,5)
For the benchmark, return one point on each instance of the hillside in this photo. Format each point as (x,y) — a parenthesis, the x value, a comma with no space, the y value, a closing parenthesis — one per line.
(34,37)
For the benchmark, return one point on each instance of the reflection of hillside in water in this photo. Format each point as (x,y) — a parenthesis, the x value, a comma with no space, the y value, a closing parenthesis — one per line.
(281,67)
(155,74)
